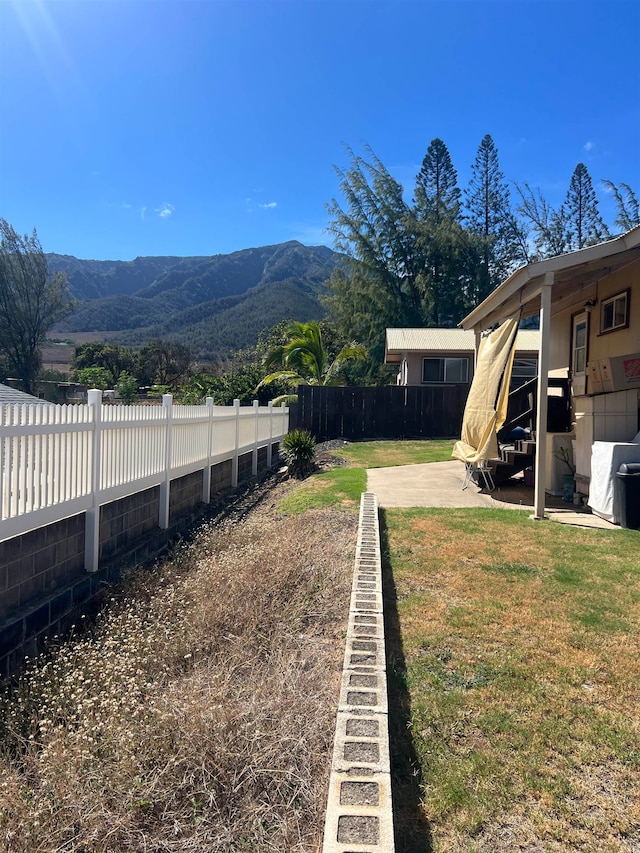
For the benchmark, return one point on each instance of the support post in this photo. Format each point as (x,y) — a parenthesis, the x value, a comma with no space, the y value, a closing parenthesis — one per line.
(543,388)
(163,514)
(92,516)
(256,435)
(269,446)
(234,462)
(206,473)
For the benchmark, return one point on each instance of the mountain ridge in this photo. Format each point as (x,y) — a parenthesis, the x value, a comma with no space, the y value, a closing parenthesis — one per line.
(211,303)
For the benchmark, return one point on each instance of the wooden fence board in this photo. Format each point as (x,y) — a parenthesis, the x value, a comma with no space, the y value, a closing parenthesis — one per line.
(391,411)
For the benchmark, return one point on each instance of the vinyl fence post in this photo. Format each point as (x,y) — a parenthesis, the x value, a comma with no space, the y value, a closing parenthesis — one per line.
(206,473)
(256,435)
(92,516)
(269,446)
(234,462)
(163,514)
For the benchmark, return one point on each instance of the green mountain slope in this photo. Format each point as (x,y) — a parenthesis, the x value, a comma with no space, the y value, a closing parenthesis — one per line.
(214,304)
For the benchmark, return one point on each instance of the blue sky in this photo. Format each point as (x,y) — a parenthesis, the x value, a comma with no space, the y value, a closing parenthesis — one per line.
(193,127)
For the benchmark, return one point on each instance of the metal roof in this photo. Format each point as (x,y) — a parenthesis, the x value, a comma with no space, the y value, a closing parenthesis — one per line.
(401,341)
(9,395)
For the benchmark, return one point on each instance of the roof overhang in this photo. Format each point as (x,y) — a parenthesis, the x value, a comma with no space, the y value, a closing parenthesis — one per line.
(568,275)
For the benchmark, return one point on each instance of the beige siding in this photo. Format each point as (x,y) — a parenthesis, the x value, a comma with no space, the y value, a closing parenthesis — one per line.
(621,341)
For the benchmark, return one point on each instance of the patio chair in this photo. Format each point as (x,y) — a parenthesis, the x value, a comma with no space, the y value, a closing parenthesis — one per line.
(482,471)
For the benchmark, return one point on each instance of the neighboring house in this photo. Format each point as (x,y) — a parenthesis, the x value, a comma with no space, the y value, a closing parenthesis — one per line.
(589,306)
(446,356)
(9,396)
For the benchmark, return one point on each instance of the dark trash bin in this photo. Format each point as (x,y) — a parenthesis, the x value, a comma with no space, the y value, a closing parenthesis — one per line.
(628,485)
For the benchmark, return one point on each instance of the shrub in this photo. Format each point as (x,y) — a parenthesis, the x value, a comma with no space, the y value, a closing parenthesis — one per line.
(298,449)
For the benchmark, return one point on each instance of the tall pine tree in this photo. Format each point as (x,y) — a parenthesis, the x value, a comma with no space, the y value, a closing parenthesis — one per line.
(445,252)
(583,224)
(490,218)
(437,195)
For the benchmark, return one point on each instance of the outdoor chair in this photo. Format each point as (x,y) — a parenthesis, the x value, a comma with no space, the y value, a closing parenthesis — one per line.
(482,472)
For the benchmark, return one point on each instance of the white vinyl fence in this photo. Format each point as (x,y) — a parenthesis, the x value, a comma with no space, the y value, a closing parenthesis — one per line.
(57,461)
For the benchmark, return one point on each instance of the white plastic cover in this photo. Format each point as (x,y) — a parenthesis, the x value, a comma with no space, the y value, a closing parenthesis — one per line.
(606,459)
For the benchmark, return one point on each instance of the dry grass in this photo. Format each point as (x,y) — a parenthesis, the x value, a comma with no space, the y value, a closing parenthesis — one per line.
(522,648)
(199,713)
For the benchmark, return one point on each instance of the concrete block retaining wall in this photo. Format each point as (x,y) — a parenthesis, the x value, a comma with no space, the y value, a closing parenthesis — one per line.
(43,583)
(124,521)
(359,816)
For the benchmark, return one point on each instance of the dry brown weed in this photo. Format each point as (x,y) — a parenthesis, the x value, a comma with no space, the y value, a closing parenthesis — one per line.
(199,713)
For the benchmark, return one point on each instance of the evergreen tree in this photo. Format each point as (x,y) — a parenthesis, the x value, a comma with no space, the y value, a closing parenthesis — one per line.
(444,250)
(628,206)
(543,230)
(583,225)
(437,195)
(377,284)
(489,217)
(31,302)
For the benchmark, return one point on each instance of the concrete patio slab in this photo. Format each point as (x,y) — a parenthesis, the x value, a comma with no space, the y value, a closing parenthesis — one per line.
(439,484)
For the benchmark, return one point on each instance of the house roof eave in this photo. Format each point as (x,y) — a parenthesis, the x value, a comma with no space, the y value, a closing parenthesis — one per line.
(523,287)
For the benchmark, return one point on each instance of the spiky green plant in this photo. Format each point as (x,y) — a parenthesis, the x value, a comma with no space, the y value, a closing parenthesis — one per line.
(298,449)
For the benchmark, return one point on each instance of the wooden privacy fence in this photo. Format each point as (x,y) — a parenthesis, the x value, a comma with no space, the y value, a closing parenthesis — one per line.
(391,411)
(57,461)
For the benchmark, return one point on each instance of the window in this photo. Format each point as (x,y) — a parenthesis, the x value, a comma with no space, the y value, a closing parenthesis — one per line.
(445,369)
(524,368)
(615,312)
(580,346)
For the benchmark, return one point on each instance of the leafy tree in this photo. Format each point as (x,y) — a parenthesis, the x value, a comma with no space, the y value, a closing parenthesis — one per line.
(490,218)
(583,224)
(112,357)
(31,302)
(163,363)
(303,360)
(94,377)
(628,207)
(127,387)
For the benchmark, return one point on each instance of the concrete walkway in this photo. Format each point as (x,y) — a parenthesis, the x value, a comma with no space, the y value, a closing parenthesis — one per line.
(439,484)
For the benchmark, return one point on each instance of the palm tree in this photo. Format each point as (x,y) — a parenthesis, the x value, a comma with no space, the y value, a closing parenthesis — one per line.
(303,360)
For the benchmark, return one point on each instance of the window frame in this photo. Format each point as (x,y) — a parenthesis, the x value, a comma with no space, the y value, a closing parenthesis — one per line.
(610,300)
(443,371)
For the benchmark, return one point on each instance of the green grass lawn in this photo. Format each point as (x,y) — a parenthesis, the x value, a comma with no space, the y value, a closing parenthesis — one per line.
(343,486)
(385,454)
(520,650)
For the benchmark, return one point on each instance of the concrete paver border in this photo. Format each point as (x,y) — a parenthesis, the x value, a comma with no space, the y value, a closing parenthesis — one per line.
(359,816)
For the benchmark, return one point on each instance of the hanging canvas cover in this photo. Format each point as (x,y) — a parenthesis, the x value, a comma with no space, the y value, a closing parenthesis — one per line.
(486,407)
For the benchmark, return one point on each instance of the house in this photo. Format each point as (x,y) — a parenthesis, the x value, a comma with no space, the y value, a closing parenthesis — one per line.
(589,307)
(10,396)
(446,356)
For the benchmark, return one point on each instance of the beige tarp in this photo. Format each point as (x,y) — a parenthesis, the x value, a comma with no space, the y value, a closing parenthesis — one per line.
(486,407)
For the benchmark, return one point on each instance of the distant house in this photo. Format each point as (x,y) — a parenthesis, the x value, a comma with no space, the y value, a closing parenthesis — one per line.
(9,396)
(446,356)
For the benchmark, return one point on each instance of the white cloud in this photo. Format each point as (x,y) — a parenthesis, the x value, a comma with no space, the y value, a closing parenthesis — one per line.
(165,210)
(143,210)
(269,205)
(127,206)
(589,146)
